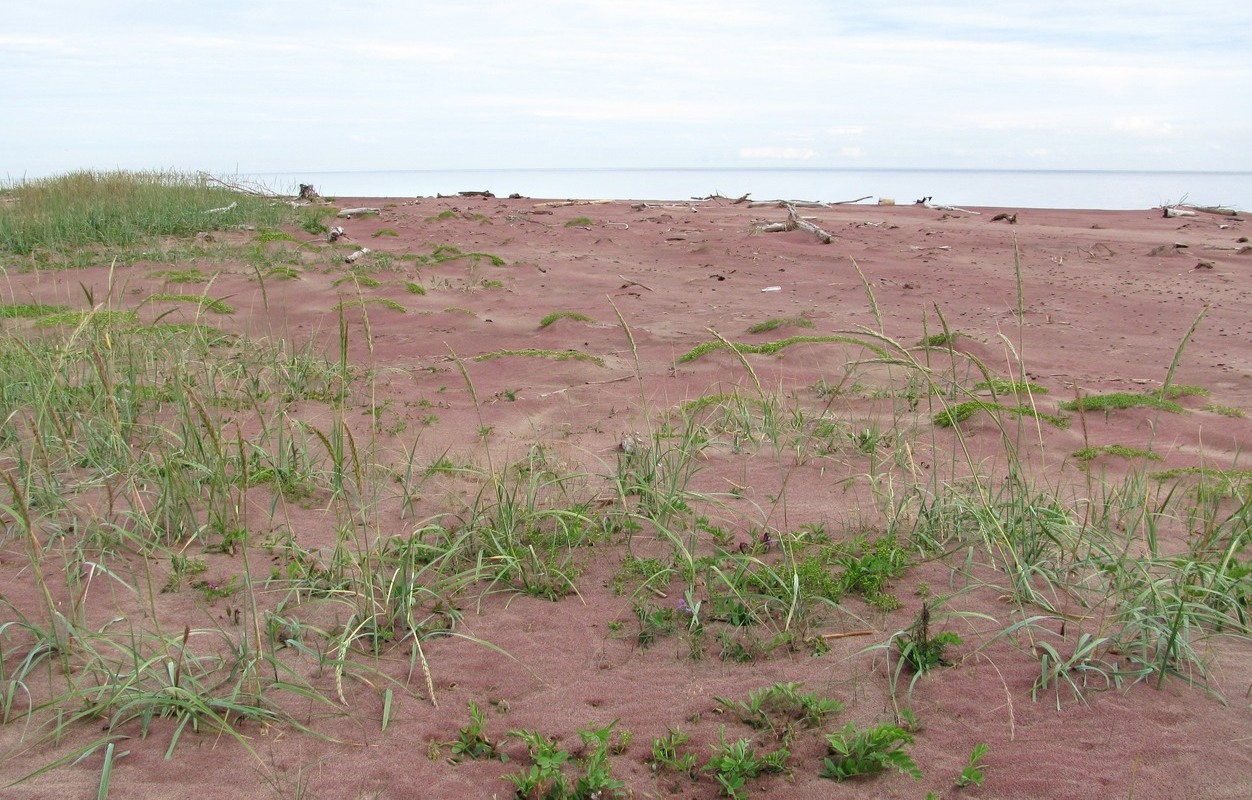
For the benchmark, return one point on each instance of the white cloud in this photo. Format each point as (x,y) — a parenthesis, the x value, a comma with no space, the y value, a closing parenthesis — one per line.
(846,130)
(852,152)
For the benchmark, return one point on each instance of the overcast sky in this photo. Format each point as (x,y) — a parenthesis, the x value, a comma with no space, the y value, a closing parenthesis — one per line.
(266,86)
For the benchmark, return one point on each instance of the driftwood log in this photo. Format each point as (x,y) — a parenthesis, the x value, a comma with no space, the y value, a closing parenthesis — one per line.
(348,259)
(1169,212)
(1225,212)
(925,202)
(797,222)
(356,212)
(564,203)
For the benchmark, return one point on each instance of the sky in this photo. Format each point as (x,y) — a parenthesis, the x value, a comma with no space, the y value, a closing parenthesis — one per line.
(258,86)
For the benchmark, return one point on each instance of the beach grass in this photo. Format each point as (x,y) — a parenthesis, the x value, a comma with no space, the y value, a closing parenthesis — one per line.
(164,461)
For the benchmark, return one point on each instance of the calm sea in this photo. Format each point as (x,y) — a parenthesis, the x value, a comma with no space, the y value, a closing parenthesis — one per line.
(1015,189)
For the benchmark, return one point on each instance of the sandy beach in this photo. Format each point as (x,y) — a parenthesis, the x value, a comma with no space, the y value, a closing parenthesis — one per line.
(689,409)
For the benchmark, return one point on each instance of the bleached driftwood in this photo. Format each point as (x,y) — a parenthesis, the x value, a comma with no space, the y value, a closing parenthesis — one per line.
(797,222)
(354,212)
(564,203)
(1170,212)
(787,204)
(220,210)
(1225,212)
(925,202)
(348,259)
(335,234)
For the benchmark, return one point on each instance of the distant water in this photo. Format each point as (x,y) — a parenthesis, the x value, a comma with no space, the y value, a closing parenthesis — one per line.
(1012,189)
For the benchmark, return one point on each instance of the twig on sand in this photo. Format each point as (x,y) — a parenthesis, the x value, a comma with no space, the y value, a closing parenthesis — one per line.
(588,383)
(828,636)
(629,282)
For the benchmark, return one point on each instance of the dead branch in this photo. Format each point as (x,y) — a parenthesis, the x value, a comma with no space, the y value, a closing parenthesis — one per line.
(348,259)
(220,210)
(356,212)
(925,203)
(239,187)
(1225,212)
(786,203)
(794,222)
(564,203)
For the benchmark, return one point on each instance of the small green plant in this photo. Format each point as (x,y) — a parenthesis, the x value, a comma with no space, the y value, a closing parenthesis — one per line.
(415,288)
(472,741)
(667,753)
(655,622)
(384,232)
(780,707)
(972,775)
(733,763)
(547,779)
(868,752)
(579,222)
(921,650)
(941,340)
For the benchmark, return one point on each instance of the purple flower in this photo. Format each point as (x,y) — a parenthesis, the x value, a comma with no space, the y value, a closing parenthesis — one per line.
(683,608)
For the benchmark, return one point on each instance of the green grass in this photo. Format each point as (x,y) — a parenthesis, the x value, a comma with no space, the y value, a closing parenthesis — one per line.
(1119,401)
(191,275)
(112,209)
(555,355)
(1000,386)
(954,415)
(206,303)
(1117,450)
(30,310)
(558,315)
(773,324)
(362,302)
(771,348)
(285,498)
(1225,411)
